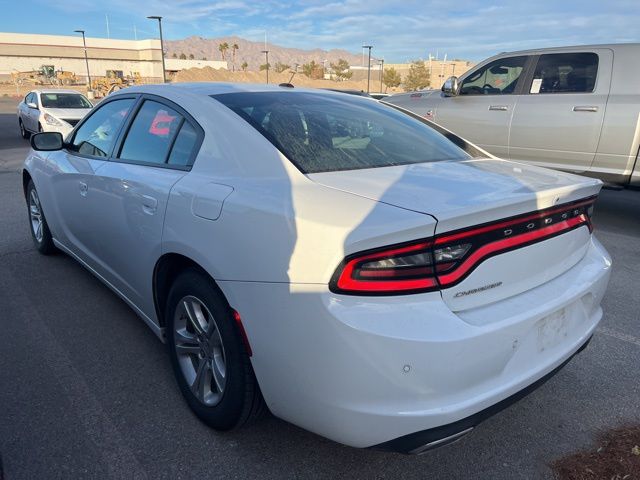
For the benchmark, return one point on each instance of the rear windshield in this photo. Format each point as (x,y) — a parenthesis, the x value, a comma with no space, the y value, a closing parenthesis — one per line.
(325,133)
(64,100)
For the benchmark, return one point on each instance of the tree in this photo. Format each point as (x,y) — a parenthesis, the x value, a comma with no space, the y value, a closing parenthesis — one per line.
(204,58)
(175,55)
(313,70)
(281,67)
(191,57)
(234,49)
(244,66)
(183,56)
(391,77)
(223,47)
(264,66)
(418,77)
(341,70)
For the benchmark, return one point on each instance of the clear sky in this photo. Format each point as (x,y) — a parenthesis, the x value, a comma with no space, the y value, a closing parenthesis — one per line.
(398,30)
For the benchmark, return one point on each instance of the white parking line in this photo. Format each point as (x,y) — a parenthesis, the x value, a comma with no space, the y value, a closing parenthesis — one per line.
(620,336)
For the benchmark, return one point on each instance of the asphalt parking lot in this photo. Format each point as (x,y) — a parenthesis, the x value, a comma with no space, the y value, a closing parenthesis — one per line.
(86,390)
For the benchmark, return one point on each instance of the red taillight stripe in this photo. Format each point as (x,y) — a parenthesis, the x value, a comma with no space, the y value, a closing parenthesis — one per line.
(347,283)
(508,243)
(486,240)
(495,226)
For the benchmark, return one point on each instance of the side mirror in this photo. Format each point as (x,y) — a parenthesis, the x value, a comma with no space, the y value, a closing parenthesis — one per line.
(32,105)
(47,141)
(450,87)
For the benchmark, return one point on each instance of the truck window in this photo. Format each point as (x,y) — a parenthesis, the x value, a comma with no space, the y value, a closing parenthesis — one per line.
(565,73)
(497,78)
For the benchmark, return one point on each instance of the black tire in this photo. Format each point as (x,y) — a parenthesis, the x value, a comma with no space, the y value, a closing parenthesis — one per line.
(44,242)
(241,401)
(24,133)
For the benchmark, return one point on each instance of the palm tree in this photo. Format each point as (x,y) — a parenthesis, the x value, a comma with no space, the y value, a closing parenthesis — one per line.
(234,48)
(223,47)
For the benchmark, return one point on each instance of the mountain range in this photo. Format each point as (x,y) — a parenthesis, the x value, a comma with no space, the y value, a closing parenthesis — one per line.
(251,52)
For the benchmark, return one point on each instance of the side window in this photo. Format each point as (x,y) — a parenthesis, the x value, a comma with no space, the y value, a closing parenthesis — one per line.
(31,98)
(183,146)
(565,73)
(151,133)
(497,78)
(97,135)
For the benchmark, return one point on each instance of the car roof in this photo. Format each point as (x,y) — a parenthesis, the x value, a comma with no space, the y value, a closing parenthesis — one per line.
(56,90)
(216,88)
(612,46)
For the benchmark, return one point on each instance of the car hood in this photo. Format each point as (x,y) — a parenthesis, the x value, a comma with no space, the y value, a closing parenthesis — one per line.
(463,193)
(70,113)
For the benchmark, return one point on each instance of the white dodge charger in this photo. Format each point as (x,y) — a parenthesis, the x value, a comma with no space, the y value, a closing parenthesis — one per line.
(360,271)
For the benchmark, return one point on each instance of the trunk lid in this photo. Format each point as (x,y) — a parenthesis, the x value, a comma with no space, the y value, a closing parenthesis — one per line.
(470,193)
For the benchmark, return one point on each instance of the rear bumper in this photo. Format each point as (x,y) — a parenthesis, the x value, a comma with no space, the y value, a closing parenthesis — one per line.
(425,440)
(371,371)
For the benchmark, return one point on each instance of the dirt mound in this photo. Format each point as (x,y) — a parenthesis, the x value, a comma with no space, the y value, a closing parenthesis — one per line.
(208,74)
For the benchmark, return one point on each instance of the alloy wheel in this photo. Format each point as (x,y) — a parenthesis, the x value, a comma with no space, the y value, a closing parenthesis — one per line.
(200,351)
(35,213)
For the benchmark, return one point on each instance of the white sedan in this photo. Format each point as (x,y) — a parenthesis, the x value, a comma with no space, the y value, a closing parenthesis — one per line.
(51,111)
(364,273)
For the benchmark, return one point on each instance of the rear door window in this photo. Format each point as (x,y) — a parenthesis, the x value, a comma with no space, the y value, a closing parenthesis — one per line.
(159,135)
(565,73)
(183,147)
(499,77)
(151,134)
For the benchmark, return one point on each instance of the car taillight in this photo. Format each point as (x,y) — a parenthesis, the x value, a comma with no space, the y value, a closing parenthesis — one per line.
(447,259)
(406,268)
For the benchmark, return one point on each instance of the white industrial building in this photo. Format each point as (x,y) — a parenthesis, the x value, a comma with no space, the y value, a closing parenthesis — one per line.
(20,52)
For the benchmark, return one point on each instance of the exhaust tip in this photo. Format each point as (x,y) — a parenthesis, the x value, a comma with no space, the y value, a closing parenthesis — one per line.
(440,442)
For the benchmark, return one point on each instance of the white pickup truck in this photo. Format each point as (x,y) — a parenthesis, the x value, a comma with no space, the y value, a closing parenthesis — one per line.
(569,108)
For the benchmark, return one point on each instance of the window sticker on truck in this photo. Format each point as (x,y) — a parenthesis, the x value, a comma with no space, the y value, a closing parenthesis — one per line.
(535,85)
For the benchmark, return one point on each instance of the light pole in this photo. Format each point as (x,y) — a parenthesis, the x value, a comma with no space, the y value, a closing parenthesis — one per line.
(266,56)
(369,67)
(381,73)
(164,73)
(86,59)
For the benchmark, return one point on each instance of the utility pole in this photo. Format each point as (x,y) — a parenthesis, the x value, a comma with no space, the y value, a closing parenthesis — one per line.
(381,72)
(164,72)
(266,56)
(86,59)
(369,67)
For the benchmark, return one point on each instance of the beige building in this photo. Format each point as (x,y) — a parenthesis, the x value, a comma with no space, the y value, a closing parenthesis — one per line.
(20,52)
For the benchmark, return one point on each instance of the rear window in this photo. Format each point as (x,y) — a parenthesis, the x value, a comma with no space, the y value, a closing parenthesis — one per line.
(324,133)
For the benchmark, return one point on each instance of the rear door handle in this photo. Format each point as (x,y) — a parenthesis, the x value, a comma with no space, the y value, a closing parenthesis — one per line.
(501,108)
(83,189)
(585,108)
(149,204)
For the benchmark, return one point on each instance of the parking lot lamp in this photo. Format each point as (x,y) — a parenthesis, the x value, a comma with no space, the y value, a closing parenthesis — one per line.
(86,59)
(369,67)
(381,73)
(266,56)
(164,73)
